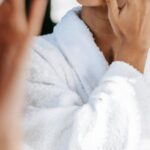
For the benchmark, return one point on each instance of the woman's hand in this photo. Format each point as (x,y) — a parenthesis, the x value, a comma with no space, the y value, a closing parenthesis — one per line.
(131,24)
(16,31)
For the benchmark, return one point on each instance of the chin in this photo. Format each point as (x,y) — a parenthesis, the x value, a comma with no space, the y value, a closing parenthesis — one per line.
(92,2)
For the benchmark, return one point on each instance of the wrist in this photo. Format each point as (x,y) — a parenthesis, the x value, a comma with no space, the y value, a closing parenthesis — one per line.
(134,55)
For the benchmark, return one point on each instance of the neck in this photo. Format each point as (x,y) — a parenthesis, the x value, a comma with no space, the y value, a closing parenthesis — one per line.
(97,20)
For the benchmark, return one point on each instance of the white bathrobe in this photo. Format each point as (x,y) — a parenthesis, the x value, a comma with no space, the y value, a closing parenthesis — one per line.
(76,101)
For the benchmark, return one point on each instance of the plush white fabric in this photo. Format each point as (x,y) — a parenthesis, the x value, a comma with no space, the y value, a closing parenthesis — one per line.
(75,100)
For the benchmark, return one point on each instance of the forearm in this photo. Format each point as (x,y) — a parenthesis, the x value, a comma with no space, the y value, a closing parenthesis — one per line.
(11,101)
(10,132)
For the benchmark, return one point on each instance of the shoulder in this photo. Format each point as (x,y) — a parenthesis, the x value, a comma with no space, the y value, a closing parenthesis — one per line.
(46,59)
(45,47)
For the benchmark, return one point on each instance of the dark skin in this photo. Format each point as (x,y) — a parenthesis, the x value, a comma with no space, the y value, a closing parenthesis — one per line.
(100,26)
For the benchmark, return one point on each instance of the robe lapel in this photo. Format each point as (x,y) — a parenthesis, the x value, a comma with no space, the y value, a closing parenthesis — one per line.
(76,42)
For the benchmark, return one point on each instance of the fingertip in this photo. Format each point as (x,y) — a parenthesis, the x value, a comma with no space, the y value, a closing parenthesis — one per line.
(107,2)
(36,15)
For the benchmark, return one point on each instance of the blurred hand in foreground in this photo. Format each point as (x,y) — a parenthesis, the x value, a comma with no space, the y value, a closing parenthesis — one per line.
(16,31)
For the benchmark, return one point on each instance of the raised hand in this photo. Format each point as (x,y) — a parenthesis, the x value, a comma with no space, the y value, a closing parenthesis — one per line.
(16,30)
(131,24)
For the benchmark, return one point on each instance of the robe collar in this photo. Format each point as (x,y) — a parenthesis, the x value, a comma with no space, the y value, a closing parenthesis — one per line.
(77,44)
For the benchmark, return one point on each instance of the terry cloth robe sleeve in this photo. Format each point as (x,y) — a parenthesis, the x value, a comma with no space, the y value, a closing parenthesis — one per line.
(57,119)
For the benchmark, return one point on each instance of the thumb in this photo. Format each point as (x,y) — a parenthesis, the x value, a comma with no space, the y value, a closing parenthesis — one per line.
(113,10)
(113,15)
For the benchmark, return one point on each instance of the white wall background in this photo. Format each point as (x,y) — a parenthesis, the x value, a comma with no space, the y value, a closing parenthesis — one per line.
(60,7)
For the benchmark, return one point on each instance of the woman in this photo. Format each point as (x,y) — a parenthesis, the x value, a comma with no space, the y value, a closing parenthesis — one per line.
(89,80)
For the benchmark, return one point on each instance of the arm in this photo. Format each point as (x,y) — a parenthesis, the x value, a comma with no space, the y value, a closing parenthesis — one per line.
(57,115)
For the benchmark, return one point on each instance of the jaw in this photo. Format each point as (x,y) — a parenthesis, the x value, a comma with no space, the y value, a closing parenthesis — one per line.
(92,3)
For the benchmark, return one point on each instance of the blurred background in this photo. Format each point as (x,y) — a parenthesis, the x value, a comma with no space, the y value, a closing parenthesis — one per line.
(55,11)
